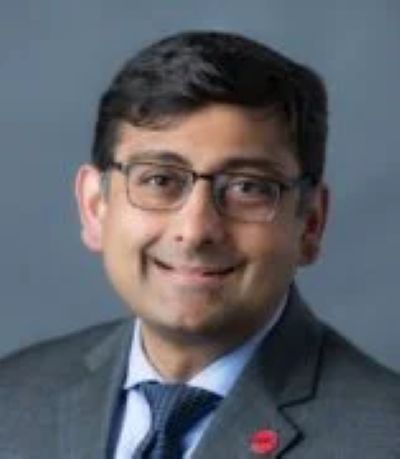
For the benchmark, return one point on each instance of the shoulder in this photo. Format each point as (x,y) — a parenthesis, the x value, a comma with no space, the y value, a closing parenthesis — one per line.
(340,365)
(353,406)
(35,384)
(355,387)
(343,362)
(55,361)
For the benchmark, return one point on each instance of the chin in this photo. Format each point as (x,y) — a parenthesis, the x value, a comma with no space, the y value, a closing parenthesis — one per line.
(193,324)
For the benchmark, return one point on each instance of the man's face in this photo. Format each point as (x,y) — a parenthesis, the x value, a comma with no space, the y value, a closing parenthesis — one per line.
(192,273)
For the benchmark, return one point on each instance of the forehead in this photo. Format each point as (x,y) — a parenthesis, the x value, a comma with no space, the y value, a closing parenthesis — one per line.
(210,138)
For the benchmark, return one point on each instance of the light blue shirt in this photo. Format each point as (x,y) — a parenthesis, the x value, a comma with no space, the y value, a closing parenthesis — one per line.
(218,377)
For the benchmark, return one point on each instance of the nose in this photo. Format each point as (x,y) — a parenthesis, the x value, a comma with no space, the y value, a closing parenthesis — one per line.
(197,223)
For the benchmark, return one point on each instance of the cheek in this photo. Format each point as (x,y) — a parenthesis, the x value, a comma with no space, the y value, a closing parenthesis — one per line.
(129,229)
(273,253)
(127,234)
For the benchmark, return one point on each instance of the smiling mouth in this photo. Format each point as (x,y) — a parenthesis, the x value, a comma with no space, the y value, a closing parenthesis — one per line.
(196,271)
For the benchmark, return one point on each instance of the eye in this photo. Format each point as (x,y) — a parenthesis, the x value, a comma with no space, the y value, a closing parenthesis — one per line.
(252,188)
(157,182)
(157,177)
(248,186)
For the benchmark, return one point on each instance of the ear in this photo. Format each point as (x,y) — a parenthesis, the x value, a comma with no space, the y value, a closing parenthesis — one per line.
(91,205)
(314,225)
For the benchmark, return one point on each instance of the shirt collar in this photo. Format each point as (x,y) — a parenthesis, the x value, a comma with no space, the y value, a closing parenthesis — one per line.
(218,377)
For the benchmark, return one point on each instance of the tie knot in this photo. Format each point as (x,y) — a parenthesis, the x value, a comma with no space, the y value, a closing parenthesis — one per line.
(175,408)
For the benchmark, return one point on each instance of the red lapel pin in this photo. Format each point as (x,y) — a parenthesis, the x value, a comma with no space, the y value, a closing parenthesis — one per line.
(264,441)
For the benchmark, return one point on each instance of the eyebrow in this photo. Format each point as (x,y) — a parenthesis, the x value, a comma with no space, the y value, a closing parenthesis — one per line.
(163,156)
(259,163)
(233,163)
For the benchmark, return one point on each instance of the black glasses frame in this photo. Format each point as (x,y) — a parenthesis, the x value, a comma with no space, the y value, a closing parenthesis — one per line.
(304,182)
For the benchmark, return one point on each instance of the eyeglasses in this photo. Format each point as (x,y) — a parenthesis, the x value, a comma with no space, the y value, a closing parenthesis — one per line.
(242,196)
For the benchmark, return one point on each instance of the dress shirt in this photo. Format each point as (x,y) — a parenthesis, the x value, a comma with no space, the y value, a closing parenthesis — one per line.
(218,377)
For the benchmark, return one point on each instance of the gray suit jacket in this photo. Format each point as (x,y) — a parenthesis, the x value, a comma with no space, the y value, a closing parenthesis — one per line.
(323,398)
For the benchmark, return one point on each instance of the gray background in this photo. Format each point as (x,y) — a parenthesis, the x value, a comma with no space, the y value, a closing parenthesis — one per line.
(56,56)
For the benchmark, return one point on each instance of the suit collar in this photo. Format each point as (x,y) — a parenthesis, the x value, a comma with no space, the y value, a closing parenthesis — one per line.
(281,375)
(87,412)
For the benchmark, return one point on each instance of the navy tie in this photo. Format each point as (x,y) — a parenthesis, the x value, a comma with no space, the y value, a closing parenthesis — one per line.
(175,408)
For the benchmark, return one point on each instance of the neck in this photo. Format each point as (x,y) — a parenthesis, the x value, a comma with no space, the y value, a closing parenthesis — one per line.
(178,357)
(174,360)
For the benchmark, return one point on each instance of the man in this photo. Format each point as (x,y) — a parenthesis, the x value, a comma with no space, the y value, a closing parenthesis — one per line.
(204,195)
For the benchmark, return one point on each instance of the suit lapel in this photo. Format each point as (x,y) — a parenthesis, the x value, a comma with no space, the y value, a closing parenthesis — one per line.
(87,410)
(245,412)
(280,376)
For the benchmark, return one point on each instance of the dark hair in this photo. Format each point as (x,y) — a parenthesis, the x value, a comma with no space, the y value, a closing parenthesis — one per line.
(191,70)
